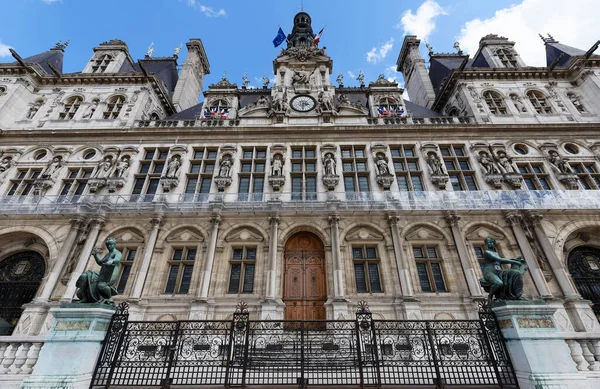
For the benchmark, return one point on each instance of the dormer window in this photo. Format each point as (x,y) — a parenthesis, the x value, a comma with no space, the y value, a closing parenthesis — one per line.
(495,102)
(101,63)
(113,107)
(507,57)
(218,109)
(71,107)
(388,107)
(539,102)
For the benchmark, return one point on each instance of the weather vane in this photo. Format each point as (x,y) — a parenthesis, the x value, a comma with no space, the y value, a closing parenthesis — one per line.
(302,6)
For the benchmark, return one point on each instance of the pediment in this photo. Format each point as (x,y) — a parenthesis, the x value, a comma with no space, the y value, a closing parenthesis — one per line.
(362,233)
(184,235)
(244,235)
(350,110)
(128,237)
(481,233)
(254,112)
(424,234)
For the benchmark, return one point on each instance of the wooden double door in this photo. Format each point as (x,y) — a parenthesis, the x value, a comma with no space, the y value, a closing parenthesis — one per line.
(305,289)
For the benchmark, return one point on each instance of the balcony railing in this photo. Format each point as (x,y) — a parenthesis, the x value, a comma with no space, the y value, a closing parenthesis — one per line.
(235,202)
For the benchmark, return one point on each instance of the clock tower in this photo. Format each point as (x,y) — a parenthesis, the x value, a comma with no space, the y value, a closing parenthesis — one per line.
(302,88)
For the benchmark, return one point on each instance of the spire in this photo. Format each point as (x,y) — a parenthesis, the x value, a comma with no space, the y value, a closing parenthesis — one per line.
(302,33)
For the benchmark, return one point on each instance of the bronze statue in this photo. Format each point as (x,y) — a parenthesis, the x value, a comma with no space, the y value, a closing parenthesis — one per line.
(500,283)
(99,287)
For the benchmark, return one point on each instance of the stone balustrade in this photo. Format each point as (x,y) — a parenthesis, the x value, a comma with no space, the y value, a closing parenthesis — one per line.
(585,350)
(18,356)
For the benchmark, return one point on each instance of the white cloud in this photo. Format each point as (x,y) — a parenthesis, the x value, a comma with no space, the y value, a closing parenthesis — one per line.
(4,50)
(421,23)
(51,1)
(378,55)
(351,75)
(208,11)
(391,74)
(521,23)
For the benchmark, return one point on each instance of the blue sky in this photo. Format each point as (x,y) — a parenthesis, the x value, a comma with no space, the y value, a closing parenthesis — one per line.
(237,34)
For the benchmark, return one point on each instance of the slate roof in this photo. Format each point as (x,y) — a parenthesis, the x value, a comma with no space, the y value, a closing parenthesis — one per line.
(54,56)
(419,111)
(440,67)
(555,49)
(191,113)
(165,69)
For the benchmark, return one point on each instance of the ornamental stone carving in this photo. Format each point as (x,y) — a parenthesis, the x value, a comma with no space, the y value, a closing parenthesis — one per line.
(170,178)
(223,179)
(277,177)
(564,172)
(508,170)
(383,177)
(491,172)
(437,174)
(330,177)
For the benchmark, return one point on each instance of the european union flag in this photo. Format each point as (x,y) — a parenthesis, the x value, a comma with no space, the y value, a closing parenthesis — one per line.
(279,38)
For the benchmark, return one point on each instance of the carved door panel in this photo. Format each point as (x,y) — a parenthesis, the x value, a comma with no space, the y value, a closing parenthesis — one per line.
(304,281)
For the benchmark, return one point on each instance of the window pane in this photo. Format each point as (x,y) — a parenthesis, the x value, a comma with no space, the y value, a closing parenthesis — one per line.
(431,252)
(149,154)
(347,167)
(191,255)
(123,279)
(311,185)
(191,185)
(464,165)
(361,166)
(423,277)
(296,153)
(544,183)
(138,186)
(396,153)
(145,168)
(310,167)
(349,184)
(248,279)
(537,169)
(153,186)
(244,185)
(346,153)
(371,253)
(310,153)
(65,189)
(445,151)
(248,154)
(398,166)
(296,167)
(177,255)
(209,168)
(478,252)
(212,155)
(260,168)
(530,184)
(374,278)
(163,154)
(237,254)
(130,255)
(262,154)
(456,185)
(418,252)
(436,270)
(402,183)
(359,274)
(413,166)
(357,253)
(450,165)
(458,151)
(258,185)
(198,154)
(234,278)
(186,279)
(251,254)
(246,167)
(205,185)
(417,183)
(359,153)
(158,168)
(172,280)
(470,180)
(409,152)
(363,183)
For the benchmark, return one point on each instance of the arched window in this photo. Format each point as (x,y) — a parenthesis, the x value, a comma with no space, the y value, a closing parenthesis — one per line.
(507,57)
(2,90)
(218,109)
(575,100)
(101,63)
(113,107)
(538,100)
(495,102)
(453,112)
(389,107)
(71,107)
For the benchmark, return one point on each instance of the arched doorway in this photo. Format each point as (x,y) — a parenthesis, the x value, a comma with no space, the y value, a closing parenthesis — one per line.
(584,266)
(20,278)
(304,292)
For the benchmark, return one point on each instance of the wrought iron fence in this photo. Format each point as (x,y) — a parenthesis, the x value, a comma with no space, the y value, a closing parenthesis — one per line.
(360,353)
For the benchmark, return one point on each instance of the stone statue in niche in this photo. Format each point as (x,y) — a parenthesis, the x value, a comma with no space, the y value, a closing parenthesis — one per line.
(329,165)
(434,164)
(266,81)
(277,167)
(52,168)
(575,100)
(35,107)
(173,166)
(382,165)
(504,162)
(559,162)
(500,283)
(340,80)
(103,168)
(516,100)
(99,287)
(225,166)
(262,101)
(325,102)
(122,167)
(90,112)
(487,163)
(300,77)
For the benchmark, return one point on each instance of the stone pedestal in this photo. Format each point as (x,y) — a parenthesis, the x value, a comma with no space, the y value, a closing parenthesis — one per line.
(69,355)
(338,309)
(271,309)
(540,355)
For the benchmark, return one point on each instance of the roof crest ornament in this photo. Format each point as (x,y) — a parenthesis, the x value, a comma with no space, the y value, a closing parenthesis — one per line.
(429,48)
(150,51)
(177,50)
(457,47)
(61,46)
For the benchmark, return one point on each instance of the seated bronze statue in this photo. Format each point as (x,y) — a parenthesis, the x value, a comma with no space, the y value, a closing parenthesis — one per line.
(99,287)
(500,283)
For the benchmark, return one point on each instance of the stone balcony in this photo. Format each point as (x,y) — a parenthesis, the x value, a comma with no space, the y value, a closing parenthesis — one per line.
(294,202)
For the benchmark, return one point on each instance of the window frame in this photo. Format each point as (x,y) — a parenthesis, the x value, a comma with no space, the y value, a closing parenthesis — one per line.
(114,106)
(539,102)
(181,265)
(405,174)
(70,108)
(197,192)
(356,176)
(243,263)
(528,172)
(427,261)
(254,192)
(151,175)
(126,262)
(495,103)
(457,162)
(366,263)
(303,174)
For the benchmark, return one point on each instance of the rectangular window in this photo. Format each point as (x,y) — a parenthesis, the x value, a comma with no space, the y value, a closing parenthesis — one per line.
(241,276)
(252,174)
(128,255)
(201,171)
(407,167)
(456,161)
(429,269)
(148,176)
(304,173)
(356,172)
(534,176)
(181,267)
(22,184)
(588,175)
(366,269)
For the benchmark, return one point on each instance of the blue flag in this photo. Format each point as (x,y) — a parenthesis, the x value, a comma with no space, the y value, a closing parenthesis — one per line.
(279,38)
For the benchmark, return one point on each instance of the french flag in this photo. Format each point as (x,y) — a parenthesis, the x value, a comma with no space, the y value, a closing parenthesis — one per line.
(318,37)
(380,110)
(224,113)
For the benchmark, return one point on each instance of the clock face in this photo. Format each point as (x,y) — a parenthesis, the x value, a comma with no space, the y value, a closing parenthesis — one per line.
(303,103)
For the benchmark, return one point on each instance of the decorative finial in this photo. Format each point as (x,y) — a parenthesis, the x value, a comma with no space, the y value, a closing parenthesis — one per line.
(150,51)
(429,48)
(302,6)
(61,46)
(177,50)
(245,80)
(361,78)
(340,80)
(224,77)
(457,47)
(265,81)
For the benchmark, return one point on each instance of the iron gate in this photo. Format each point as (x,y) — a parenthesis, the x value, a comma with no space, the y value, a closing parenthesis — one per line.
(361,353)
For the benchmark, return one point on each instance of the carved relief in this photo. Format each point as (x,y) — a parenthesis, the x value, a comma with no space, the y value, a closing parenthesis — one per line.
(330,175)
(277,177)
(508,169)
(563,171)
(438,175)
(384,177)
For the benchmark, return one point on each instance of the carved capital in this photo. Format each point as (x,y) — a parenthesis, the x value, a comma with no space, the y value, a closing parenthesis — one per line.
(216,221)
(274,220)
(452,218)
(77,223)
(98,222)
(512,218)
(333,219)
(393,220)
(533,218)
(157,221)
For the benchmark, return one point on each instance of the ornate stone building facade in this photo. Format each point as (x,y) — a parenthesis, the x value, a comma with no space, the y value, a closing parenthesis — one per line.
(302,197)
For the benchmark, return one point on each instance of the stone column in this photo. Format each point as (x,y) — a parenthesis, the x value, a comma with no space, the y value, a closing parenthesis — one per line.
(403,273)
(62,257)
(338,276)
(533,219)
(96,225)
(210,259)
(142,272)
(472,282)
(271,273)
(514,220)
